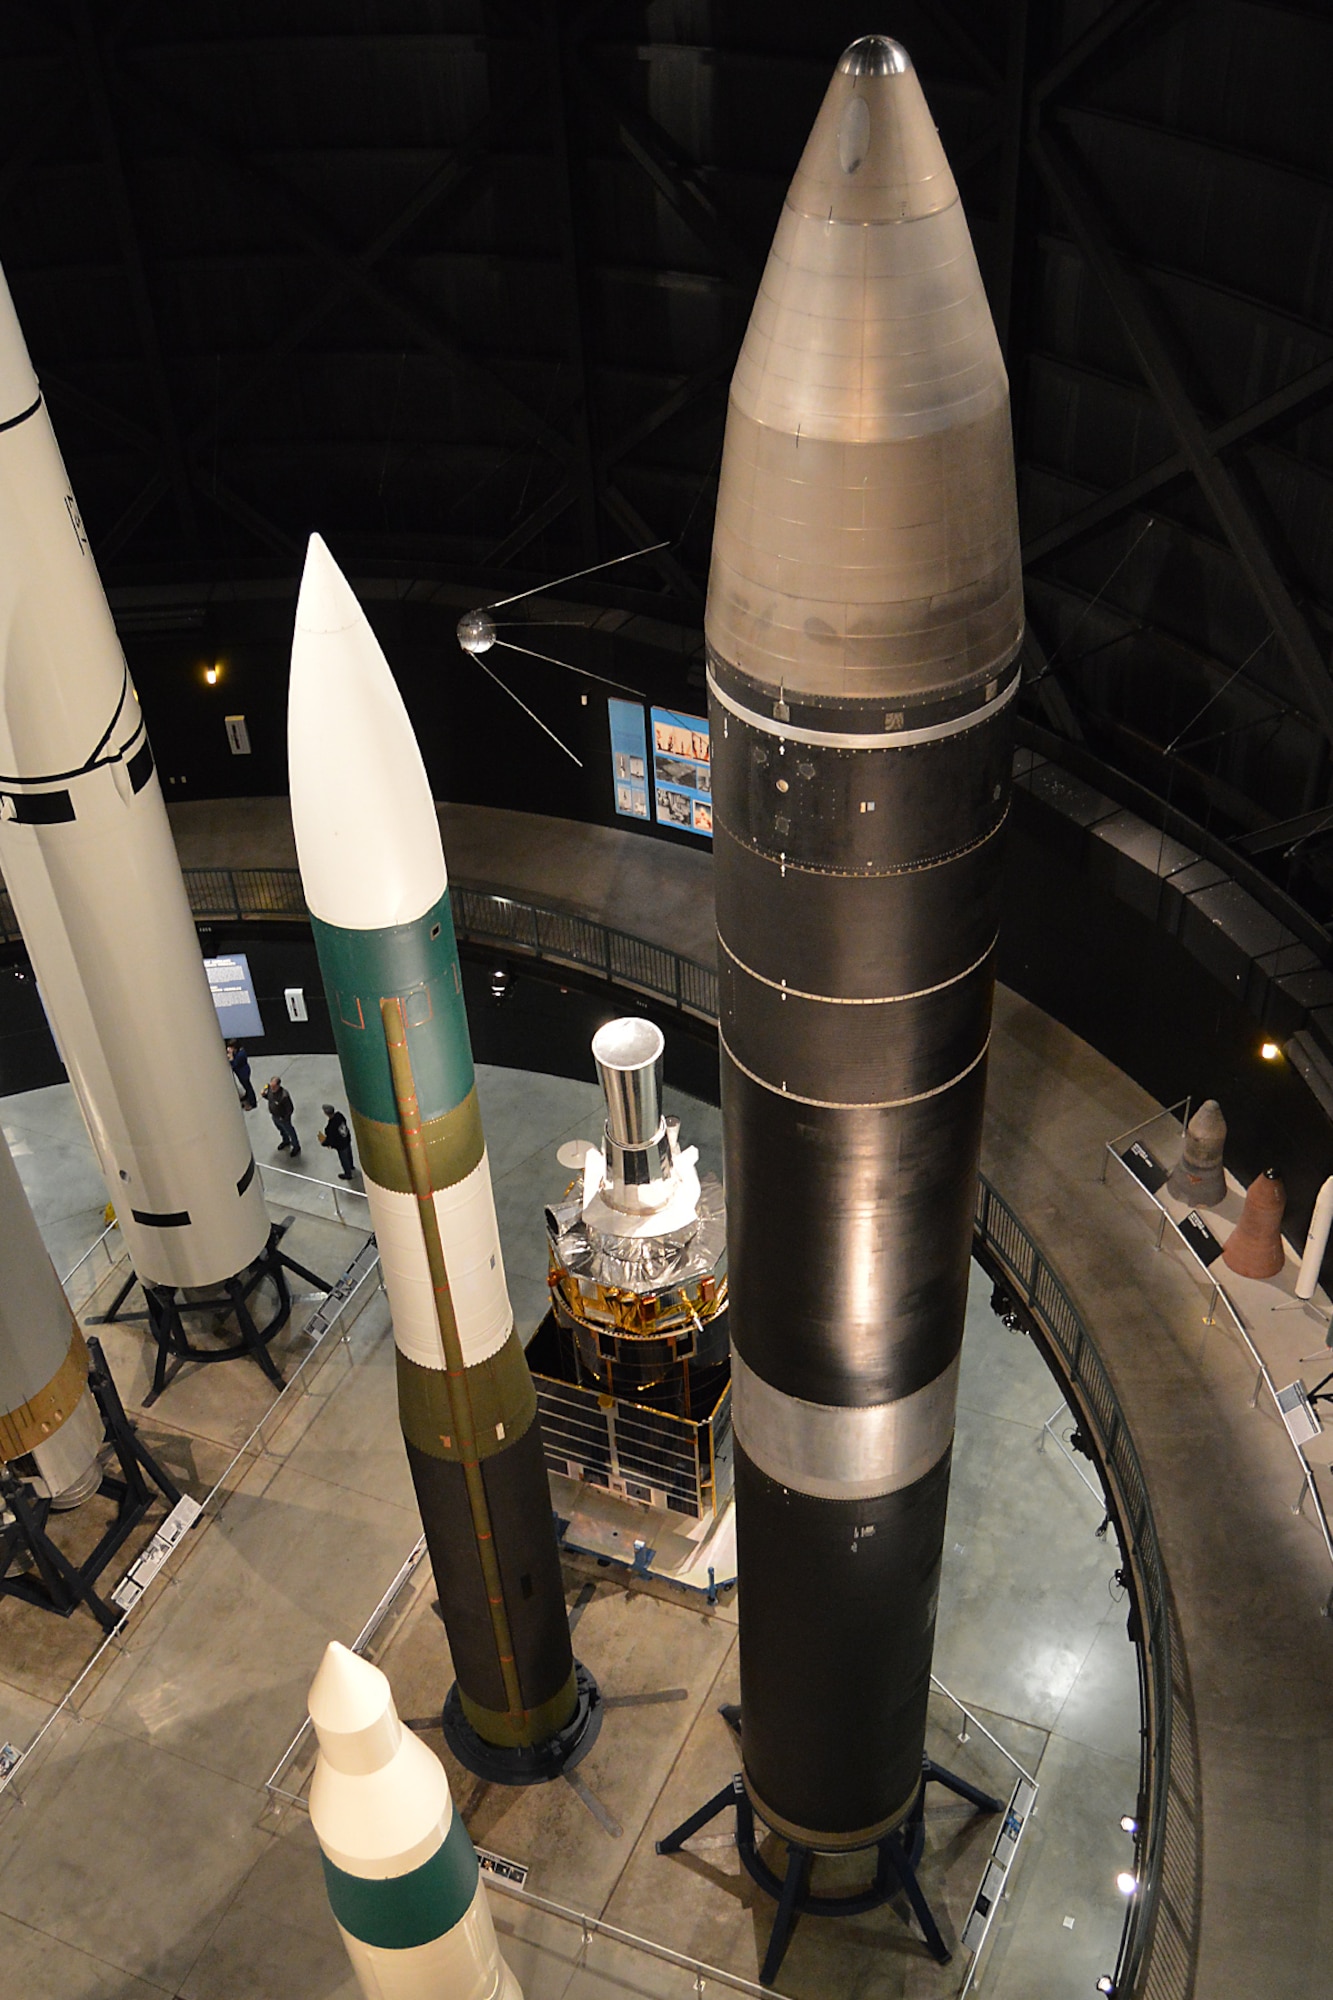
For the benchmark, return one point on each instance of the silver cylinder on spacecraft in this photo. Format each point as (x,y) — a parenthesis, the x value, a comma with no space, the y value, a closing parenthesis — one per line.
(863,620)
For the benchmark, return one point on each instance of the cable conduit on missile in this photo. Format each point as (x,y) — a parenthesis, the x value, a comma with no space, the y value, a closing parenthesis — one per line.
(836,1451)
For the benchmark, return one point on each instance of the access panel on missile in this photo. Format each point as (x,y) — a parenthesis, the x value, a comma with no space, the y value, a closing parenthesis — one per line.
(373,870)
(863,619)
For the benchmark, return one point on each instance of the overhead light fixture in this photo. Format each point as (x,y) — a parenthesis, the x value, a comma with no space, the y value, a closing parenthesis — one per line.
(1269,1051)
(1106,1984)
(1128,1823)
(1126,1883)
(211,675)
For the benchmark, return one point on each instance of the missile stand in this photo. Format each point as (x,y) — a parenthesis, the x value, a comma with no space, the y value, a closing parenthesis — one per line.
(164,1310)
(53,1582)
(897,1858)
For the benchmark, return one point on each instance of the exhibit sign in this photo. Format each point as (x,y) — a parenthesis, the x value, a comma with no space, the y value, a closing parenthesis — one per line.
(629,758)
(234,997)
(682,772)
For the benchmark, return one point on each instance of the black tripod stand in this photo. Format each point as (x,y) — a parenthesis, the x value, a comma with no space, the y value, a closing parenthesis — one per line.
(897,1858)
(165,1309)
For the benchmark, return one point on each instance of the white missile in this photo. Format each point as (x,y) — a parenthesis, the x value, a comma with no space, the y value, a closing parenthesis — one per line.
(399,1866)
(88,858)
(46,1407)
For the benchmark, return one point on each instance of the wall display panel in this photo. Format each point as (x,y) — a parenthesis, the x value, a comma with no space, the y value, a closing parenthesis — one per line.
(682,772)
(233,993)
(629,758)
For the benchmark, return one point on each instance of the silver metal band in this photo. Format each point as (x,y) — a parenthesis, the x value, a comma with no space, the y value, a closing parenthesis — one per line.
(842,1000)
(852,1104)
(898,739)
(834,1452)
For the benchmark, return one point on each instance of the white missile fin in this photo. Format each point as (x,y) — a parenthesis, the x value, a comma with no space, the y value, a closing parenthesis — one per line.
(18,383)
(367,837)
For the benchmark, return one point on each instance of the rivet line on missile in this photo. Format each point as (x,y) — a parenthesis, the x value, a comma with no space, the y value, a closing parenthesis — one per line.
(879,874)
(845,1000)
(459,1393)
(848,1103)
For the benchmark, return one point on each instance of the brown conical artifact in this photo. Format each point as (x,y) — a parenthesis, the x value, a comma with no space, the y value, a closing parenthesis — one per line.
(1197,1176)
(1254,1248)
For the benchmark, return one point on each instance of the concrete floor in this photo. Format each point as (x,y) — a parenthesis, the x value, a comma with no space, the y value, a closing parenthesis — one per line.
(143,1859)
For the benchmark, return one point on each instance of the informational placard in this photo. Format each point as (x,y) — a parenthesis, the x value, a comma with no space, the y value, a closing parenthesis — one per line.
(682,772)
(629,758)
(1144,1166)
(234,997)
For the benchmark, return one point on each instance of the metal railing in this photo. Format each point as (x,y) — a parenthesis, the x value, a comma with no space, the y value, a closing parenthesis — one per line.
(1232,1315)
(559,937)
(341,1308)
(1158,1945)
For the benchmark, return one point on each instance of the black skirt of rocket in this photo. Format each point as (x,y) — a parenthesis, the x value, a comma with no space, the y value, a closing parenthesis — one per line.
(863,622)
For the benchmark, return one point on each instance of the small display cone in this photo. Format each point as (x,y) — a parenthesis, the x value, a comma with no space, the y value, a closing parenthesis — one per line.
(1254,1248)
(1198,1176)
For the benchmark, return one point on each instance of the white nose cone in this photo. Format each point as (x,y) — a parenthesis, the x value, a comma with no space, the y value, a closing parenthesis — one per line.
(367,837)
(18,384)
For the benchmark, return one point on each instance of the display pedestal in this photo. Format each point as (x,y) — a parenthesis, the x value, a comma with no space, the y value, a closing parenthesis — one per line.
(897,1858)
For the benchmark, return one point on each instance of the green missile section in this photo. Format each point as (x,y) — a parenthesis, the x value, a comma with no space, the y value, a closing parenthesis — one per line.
(397,1912)
(417,963)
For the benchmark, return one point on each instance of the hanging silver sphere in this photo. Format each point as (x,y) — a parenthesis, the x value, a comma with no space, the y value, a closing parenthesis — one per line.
(476,632)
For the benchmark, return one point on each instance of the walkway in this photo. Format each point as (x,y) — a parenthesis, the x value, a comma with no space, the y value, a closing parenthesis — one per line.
(1248,1576)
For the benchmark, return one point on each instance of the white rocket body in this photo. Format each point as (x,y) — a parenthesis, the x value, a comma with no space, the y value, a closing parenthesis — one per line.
(1316,1242)
(397,1860)
(46,1407)
(87,855)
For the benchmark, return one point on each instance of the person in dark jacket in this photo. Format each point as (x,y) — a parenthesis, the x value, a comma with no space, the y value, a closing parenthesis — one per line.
(240,1069)
(280,1111)
(337,1135)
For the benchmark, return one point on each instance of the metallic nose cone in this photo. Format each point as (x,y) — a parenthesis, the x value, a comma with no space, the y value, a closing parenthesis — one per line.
(866,545)
(874,55)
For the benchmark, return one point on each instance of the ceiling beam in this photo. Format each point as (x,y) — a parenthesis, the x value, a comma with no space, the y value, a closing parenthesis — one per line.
(1122,15)
(676,180)
(354,268)
(1073,197)
(1307,388)
(93,71)
(573,276)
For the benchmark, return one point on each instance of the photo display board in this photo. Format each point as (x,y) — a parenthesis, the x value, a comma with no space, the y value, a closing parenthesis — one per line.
(682,772)
(234,997)
(629,758)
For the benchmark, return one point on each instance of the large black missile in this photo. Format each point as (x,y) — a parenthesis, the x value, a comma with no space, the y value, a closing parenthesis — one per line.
(864,616)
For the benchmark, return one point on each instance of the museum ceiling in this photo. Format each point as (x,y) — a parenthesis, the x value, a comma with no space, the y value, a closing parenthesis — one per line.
(463,281)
